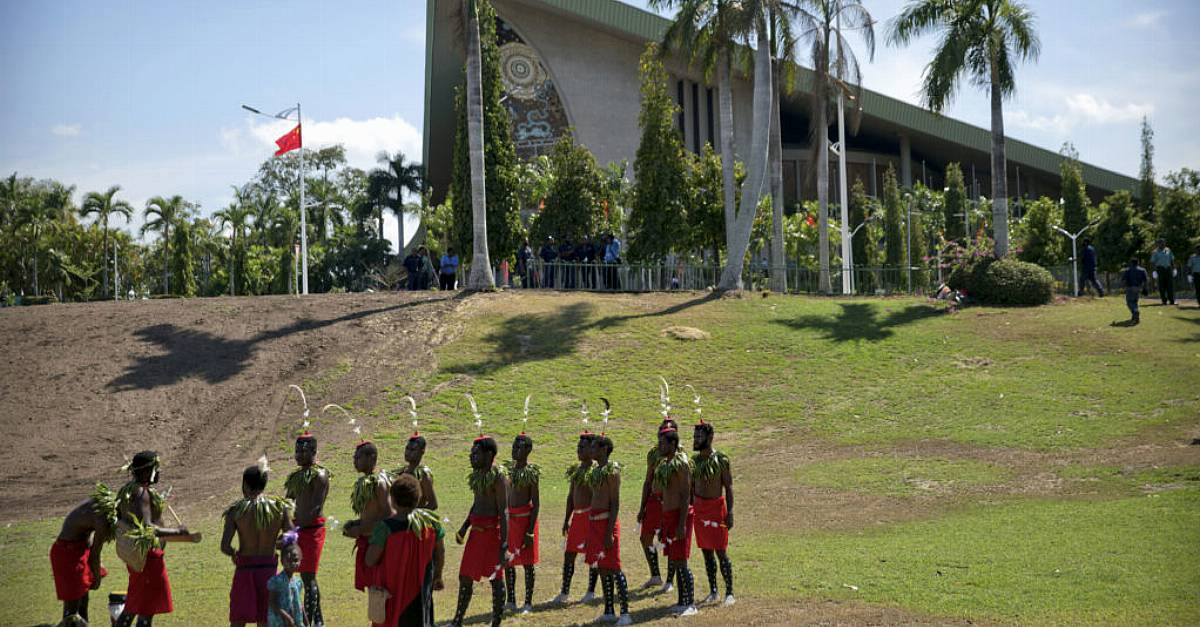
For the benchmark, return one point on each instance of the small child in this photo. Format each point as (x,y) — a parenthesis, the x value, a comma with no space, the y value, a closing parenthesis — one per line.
(286,608)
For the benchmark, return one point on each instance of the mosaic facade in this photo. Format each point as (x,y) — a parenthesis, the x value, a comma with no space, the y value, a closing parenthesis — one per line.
(534,107)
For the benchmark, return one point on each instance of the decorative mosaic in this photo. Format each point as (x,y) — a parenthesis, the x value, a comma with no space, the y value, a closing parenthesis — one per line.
(534,107)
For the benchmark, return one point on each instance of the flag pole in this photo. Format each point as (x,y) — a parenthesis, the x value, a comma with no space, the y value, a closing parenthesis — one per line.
(303,210)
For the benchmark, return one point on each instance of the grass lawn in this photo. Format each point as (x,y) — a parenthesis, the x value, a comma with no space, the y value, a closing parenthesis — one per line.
(1010,465)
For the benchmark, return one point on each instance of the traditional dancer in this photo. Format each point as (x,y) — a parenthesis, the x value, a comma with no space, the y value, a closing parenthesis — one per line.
(711,475)
(524,504)
(604,530)
(673,476)
(258,521)
(414,452)
(307,487)
(484,555)
(139,504)
(650,515)
(575,523)
(407,554)
(75,555)
(370,503)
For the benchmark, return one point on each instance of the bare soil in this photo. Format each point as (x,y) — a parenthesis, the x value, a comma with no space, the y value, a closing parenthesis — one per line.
(203,381)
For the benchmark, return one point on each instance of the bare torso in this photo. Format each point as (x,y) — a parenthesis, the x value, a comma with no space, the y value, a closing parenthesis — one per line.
(675,494)
(310,500)
(710,487)
(486,500)
(82,522)
(252,540)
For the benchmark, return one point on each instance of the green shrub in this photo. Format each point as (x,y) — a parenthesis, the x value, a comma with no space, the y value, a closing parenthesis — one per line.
(1013,282)
(44,299)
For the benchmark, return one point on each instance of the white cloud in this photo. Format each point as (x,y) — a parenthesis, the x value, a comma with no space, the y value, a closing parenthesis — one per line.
(1147,19)
(363,139)
(66,130)
(1081,109)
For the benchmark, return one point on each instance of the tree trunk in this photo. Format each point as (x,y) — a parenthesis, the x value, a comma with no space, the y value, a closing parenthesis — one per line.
(481,267)
(400,233)
(757,179)
(103,261)
(379,219)
(166,259)
(822,136)
(37,290)
(778,262)
(999,172)
(728,146)
(233,264)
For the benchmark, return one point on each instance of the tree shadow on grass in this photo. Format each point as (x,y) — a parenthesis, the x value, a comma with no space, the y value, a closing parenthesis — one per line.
(859,322)
(537,337)
(195,353)
(1194,338)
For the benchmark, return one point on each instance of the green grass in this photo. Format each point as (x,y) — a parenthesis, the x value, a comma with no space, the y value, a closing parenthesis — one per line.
(900,476)
(782,371)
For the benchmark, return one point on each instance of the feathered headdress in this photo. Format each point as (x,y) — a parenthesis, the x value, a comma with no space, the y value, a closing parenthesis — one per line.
(664,397)
(583,410)
(525,418)
(475,412)
(350,420)
(412,412)
(696,402)
(604,414)
(303,399)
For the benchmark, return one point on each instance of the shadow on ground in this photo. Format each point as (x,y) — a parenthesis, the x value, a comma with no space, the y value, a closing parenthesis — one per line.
(860,322)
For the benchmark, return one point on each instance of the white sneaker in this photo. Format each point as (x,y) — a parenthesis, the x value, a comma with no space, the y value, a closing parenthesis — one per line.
(527,609)
(510,607)
(711,598)
(606,618)
(560,600)
(666,587)
(729,600)
(689,611)
(652,582)
(625,619)
(587,597)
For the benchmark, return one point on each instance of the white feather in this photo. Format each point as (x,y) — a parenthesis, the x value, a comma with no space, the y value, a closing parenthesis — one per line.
(263,466)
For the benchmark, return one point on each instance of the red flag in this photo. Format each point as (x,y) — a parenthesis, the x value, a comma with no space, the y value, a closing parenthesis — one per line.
(289,142)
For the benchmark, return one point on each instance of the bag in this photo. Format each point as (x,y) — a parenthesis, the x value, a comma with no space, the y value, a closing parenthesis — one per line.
(126,549)
(377,599)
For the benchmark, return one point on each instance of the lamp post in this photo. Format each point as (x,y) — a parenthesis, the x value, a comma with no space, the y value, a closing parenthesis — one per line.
(908,237)
(1074,255)
(848,270)
(286,115)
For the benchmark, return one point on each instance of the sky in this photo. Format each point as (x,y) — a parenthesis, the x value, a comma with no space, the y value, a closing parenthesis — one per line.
(147,94)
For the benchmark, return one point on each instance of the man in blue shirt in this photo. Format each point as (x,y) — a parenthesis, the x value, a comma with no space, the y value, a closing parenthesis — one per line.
(1134,278)
(612,255)
(1089,268)
(448,271)
(1163,261)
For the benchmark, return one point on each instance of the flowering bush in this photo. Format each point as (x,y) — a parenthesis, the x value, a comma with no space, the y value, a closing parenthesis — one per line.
(975,271)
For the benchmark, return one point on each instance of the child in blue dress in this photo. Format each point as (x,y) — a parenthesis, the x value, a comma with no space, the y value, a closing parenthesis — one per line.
(286,608)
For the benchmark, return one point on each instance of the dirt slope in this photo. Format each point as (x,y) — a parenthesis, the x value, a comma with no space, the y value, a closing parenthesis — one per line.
(203,381)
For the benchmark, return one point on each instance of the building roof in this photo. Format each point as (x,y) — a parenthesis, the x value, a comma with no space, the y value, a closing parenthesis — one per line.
(639,24)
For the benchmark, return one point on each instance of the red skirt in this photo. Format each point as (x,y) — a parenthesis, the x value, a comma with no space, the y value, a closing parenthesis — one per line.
(248,594)
(481,557)
(577,532)
(652,521)
(363,574)
(711,532)
(150,590)
(599,556)
(678,549)
(311,543)
(73,575)
(518,526)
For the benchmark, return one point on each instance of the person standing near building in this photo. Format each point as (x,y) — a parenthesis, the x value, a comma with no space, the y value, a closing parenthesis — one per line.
(1135,280)
(448,271)
(612,256)
(1193,267)
(549,254)
(1089,268)
(1163,261)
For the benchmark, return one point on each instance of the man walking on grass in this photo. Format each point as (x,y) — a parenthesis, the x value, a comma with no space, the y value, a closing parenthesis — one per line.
(1134,279)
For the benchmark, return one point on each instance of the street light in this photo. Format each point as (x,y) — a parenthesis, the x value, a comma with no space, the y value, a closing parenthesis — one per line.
(848,251)
(1074,256)
(286,114)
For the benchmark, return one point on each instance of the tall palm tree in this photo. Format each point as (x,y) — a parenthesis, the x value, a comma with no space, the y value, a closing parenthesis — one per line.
(102,205)
(387,184)
(236,216)
(980,40)
(38,213)
(706,31)
(162,214)
(481,277)
(835,67)
(783,46)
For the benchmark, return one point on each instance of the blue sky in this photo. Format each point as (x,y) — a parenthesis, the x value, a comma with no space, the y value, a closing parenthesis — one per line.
(147,94)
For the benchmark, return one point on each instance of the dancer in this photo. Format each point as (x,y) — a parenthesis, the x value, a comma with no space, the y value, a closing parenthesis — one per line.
(414,452)
(484,555)
(75,555)
(258,521)
(140,505)
(370,503)
(711,475)
(575,523)
(673,477)
(307,487)
(604,530)
(524,504)
(650,516)
(407,554)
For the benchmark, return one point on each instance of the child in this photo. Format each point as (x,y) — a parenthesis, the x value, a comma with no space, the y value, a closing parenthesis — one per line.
(286,608)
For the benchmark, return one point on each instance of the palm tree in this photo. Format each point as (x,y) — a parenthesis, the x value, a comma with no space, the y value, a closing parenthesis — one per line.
(481,277)
(979,39)
(835,67)
(386,186)
(236,216)
(783,46)
(39,212)
(162,214)
(102,205)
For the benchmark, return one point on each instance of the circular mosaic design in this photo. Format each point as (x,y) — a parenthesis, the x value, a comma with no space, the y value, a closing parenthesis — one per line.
(521,71)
